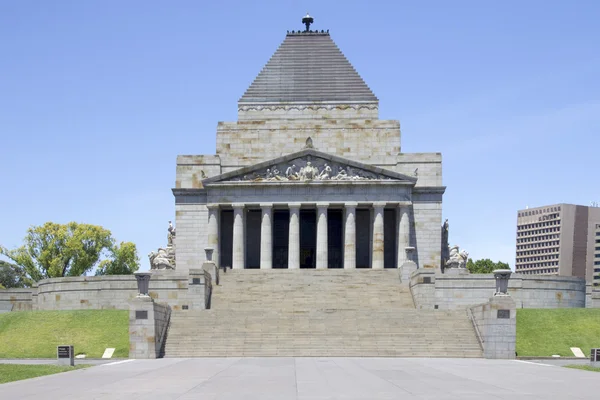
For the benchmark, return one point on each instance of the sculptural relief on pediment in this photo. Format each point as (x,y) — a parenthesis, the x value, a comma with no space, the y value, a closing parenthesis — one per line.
(309,169)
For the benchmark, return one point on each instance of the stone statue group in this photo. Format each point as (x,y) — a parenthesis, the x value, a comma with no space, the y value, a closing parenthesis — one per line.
(451,257)
(164,258)
(310,172)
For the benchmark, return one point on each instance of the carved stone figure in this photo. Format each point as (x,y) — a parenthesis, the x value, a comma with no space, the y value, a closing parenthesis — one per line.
(309,143)
(326,173)
(457,259)
(308,172)
(307,169)
(291,173)
(163,259)
(171,234)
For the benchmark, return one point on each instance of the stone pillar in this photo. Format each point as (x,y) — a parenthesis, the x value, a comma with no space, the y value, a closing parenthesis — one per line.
(377,259)
(294,237)
(213,231)
(403,234)
(322,258)
(350,236)
(266,237)
(239,251)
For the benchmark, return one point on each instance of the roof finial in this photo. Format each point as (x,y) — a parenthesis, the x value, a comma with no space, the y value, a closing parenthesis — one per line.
(307,20)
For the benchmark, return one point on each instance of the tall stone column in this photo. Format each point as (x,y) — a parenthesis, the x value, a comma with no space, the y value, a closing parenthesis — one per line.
(377,259)
(239,251)
(350,236)
(322,257)
(294,237)
(403,233)
(266,237)
(213,231)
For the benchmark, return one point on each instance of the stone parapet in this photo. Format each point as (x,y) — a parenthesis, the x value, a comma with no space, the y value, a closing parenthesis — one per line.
(17,299)
(451,292)
(496,322)
(148,325)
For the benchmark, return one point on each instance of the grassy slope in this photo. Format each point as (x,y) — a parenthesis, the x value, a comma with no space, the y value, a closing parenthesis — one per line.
(14,372)
(35,334)
(584,367)
(554,331)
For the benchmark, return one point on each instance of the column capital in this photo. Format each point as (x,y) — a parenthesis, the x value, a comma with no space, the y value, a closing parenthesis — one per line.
(379,204)
(266,205)
(322,205)
(238,205)
(294,205)
(404,204)
(213,206)
(351,204)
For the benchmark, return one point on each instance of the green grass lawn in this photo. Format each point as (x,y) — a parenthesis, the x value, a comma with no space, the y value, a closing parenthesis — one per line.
(16,372)
(35,334)
(544,332)
(584,367)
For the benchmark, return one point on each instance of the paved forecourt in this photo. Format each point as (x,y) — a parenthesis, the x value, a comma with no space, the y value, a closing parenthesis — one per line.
(312,378)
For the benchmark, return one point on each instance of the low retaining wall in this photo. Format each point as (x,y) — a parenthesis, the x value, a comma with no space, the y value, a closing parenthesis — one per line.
(107,292)
(592,296)
(17,299)
(148,324)
(432,289)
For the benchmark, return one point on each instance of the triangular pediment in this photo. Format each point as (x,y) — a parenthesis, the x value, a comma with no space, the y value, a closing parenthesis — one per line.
(309,165)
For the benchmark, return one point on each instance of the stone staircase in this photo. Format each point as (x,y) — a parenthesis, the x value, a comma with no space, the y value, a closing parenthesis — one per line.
(362,313)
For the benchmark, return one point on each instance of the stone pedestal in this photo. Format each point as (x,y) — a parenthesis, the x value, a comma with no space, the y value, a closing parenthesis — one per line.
(210,266)
(456,271)
(148,323)
(199,289)
(408,266)
(496,322)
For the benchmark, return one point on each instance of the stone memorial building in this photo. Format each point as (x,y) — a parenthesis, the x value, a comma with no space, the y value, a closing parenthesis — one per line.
(309,176)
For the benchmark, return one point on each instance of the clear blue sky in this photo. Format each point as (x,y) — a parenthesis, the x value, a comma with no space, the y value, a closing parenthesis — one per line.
(97,98)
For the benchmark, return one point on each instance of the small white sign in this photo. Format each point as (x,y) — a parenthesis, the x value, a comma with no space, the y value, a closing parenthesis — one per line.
(108,353)
(578,353)
(80,356)
(555,356)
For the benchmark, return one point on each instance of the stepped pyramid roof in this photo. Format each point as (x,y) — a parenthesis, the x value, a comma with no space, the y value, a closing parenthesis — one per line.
(308,67)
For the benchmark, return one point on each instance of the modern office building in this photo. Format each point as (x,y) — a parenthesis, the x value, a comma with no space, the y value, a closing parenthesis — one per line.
(560,239)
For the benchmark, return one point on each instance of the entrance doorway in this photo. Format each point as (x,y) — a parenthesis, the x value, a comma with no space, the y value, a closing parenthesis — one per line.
(281,233)
(308,238)
(335,239)
(226,239)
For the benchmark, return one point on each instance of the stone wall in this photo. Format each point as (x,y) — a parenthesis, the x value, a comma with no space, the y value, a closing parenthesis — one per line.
(17,299)
(496,322)
(426,232)
(115,292)
(461,291)
(148,324)
(375,142)
(592,296)
(192,235)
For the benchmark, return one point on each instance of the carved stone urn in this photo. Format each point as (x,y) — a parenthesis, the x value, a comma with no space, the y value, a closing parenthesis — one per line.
(143,283)
(502,276)
(209,253)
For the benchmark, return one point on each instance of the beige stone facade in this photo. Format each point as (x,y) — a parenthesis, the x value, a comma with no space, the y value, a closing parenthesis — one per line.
(309,177)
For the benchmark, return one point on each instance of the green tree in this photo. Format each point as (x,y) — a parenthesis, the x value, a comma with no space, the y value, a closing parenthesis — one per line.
(485,266)
(55,250)
(12,276)
(124,260)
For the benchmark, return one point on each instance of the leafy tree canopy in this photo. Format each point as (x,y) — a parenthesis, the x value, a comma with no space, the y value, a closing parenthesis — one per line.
(56,250)
(124,260)
(12,276)
(485,266)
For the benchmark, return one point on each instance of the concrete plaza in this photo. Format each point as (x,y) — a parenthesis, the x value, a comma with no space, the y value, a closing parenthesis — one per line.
(312,378)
